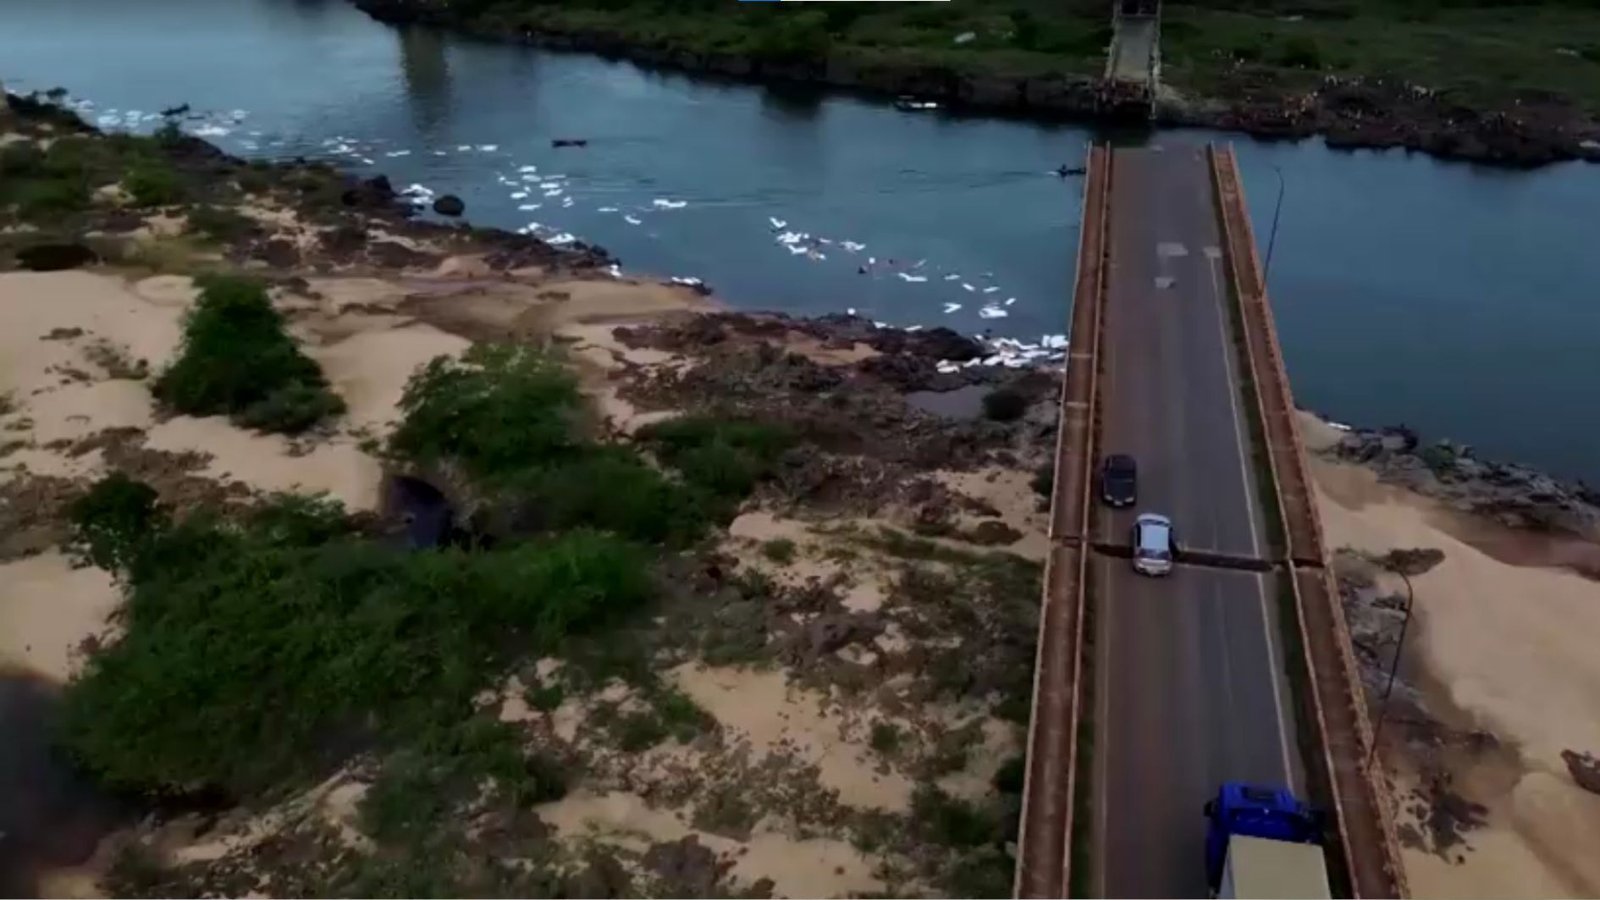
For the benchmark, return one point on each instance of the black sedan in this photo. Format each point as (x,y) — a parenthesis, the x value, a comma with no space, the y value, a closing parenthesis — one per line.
(1119,479)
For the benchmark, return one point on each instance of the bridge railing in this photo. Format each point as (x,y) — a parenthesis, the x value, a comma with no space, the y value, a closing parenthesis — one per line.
(1051,785)
(1333,704)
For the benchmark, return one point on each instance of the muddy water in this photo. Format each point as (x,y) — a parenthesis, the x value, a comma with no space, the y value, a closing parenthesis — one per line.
(961,403)
(50,818)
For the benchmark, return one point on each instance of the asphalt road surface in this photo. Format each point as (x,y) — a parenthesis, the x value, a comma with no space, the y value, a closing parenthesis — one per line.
(1190,689)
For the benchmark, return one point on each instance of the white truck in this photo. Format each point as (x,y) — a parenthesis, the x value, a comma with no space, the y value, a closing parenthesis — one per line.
(1263,843)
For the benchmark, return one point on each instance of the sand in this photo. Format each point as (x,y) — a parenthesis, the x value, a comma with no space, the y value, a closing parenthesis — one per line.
(48,608)
(1512,648)
(815,867)
(761,707)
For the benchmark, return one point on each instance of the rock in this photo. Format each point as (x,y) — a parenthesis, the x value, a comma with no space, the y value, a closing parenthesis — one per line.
(279,253)
(1584,768)
(345,241)
(1412,562)
(395,255)
(55,257)
(603,877)
(373,193)
(993,533)
(449,205)
(688,868)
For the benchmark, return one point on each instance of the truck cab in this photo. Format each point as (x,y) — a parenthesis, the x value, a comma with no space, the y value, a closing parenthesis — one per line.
(1263,842)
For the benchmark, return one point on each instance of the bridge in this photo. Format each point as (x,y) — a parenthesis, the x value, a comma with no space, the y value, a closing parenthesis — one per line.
(1148,693)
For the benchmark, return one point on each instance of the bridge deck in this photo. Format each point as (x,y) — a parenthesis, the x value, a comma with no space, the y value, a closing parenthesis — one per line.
(1151,692)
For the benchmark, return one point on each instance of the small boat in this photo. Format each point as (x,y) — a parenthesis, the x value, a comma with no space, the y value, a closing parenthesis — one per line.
(570,142)
(912,104)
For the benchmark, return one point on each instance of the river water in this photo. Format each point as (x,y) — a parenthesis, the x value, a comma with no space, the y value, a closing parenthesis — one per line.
(1459,300)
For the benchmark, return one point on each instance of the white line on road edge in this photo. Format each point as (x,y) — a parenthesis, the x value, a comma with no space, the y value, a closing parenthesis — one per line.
(1228,349)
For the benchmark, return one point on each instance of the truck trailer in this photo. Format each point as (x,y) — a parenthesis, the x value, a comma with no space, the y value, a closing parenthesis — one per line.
(1262,842)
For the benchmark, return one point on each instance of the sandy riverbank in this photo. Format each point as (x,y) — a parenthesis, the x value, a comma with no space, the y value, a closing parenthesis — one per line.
(1498,680)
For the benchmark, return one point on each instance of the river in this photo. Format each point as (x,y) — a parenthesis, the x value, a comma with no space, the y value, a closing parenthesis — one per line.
(1456,299)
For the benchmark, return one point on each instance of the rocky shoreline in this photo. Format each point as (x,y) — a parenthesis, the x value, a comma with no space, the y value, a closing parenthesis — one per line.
(1347,113)
(1513,495)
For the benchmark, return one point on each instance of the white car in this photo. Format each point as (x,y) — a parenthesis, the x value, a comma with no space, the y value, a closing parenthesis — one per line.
(1153,545)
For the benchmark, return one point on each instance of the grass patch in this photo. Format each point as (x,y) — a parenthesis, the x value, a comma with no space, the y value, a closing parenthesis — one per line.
(779,550)
(239,361)
(725,457)
(151,183)
(255,653)
(886,738)
(219,223)
(513,419)
(1481,53)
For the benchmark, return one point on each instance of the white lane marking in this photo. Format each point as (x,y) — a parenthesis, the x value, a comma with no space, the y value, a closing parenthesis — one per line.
(1229,348)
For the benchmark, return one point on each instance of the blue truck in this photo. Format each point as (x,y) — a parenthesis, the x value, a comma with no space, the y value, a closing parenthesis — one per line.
(1263,842)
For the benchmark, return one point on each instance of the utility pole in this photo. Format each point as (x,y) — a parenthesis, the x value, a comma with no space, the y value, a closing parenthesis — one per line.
(1277,210)
(1394,666)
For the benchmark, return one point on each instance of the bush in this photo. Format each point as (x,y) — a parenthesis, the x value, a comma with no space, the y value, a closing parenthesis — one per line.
(50,198)
(238,360)
(725,457)
(794,37)
(220,223)
(499,411)
(779,550)
(153,184)
(112,521)
(1005,405)
(246,646)
(612,490)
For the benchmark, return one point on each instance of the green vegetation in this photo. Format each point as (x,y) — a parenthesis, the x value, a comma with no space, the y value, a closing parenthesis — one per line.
(886,738)
(151,183)
(1008,37)
(779,550)
(513,420)
(1481,52)
(724,457)
(220,223)
(1478,52)
(249,644)
(238,360)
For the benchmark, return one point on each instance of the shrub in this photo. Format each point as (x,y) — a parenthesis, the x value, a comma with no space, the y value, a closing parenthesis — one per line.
(725,457)
(779,550)
(220,223)
(153,184)
(46,199)
(238,360)
(291,409)
(1005,405)
(794,37)
(246,646)
(610,489)
(112,521)
(499,411)
(885,737)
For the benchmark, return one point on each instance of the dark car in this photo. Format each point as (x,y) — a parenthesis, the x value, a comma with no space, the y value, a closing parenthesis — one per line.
(1119,480)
